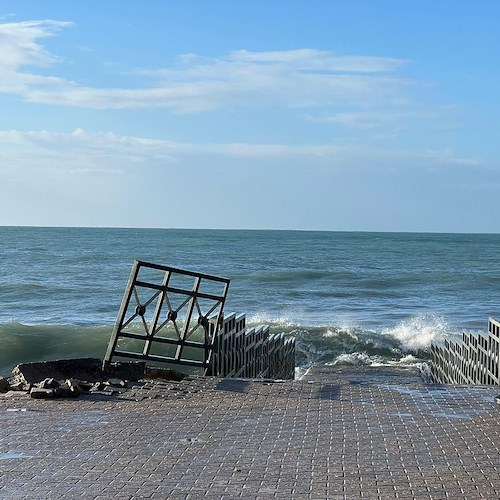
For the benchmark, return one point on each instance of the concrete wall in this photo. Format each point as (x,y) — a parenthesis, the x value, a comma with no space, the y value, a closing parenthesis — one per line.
(475,359)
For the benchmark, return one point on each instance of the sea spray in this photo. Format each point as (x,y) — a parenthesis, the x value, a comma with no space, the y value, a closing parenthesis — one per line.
(332,345)
(346,297)
(418,332)
(406,343)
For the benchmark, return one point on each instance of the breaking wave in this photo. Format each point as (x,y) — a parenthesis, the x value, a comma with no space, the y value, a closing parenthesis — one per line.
(418,332)
(406,343)
(27,343)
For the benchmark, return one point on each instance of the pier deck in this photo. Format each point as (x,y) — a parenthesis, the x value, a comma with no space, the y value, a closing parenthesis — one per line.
(339,433)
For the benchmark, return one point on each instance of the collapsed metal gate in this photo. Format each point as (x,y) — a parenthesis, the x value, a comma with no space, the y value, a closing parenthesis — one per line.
(165,316)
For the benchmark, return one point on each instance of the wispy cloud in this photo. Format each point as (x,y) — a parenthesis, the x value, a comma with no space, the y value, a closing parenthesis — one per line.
(84,152)
(446,117)
(447,156)
(90,152)
(294,78)
(320,60)
(105,178)
(371,120)
(77,152)
(19,49)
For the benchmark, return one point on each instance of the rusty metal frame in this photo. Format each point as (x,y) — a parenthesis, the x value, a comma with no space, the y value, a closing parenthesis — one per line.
(200,310)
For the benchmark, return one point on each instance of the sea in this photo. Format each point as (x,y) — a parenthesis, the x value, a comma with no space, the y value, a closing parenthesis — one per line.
(347,297)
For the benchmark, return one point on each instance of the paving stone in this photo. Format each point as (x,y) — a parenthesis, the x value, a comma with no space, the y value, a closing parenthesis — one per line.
(382,436)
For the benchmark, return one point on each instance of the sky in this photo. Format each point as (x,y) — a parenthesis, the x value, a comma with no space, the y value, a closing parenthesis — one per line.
(309,115)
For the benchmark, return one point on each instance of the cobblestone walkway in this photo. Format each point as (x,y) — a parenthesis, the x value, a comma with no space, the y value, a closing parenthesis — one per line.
(332,435)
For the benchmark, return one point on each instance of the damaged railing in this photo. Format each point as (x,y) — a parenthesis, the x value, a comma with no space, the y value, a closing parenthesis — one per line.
(474,359)
(176,317)
(251,353)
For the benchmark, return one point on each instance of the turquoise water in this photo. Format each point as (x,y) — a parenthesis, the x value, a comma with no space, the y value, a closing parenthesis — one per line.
(347,297)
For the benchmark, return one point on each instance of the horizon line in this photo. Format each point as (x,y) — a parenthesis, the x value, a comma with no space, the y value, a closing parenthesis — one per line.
(373,231)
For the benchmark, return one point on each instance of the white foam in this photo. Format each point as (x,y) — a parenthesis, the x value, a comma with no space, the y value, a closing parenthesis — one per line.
(355,358)
(263,318)
(418,332)
(300,319)
(301,372)
(331,334)
(409,359)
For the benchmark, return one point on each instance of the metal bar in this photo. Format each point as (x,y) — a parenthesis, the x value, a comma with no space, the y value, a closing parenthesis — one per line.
(183,271)
(163,294)
(163,340)
(156,316)
(187,320)
(210,338)
(121,314)
(183,304)
(160,359)
(195,327)
(168,318)
(181,291)
(138,304)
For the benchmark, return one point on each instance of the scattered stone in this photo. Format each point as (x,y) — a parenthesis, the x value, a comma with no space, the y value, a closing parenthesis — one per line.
(48,383)
(106,390)
(15,394)
(38,393)
(74,387)
(116,382)
(63,391)
(4,385)
(98,386)
(69,378)
(84,386)
(85,369)
(20,386)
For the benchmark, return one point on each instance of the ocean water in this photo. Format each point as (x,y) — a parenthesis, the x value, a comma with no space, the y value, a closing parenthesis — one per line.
(356,298)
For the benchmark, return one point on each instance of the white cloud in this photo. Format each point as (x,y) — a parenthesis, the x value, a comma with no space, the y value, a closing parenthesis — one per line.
(371,120)
(19,48)
(88,178)
(355,120)
(294,78)
(25,153)
(312,59)
(448,157)
(443,117)
(22,153)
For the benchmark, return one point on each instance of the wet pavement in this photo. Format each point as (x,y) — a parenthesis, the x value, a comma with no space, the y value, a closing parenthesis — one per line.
(338,433)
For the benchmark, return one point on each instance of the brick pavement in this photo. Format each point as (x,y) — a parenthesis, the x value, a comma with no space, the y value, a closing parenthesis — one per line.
(337,434)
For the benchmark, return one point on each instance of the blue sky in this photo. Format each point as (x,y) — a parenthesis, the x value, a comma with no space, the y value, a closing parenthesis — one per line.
(328,115)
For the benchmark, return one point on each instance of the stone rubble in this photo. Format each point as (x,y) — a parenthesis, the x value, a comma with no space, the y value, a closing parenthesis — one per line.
(4,385)
(72,378)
